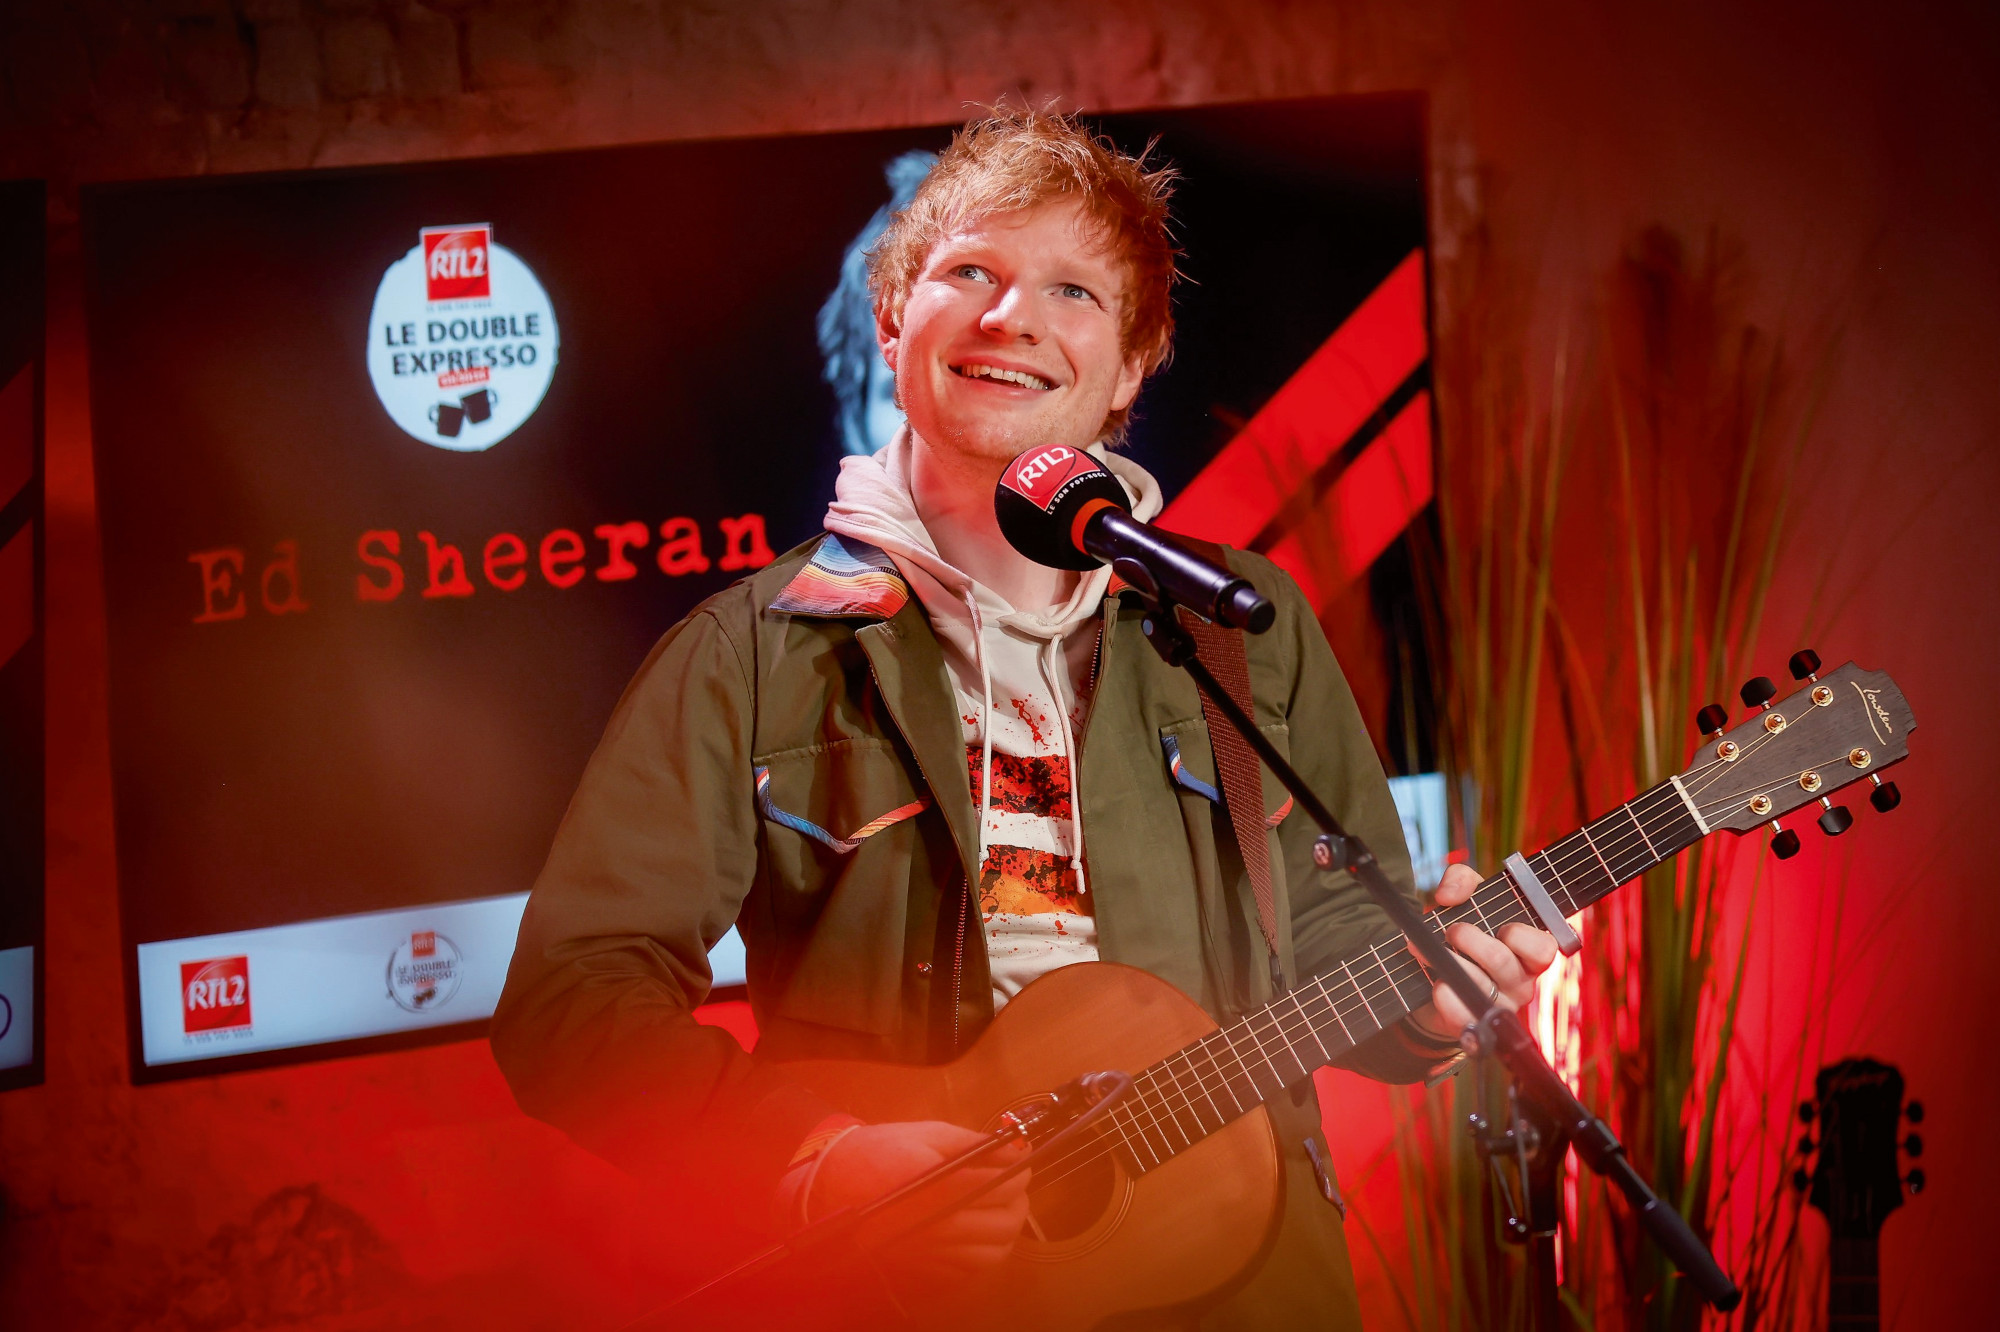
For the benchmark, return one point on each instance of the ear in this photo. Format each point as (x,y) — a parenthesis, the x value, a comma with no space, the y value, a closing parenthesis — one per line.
(1130,376)
(888,333)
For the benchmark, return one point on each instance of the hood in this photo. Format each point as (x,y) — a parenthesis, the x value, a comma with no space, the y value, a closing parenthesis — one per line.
(872,503)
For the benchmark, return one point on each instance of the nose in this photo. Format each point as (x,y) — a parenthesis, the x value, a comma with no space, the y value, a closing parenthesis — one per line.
(1012,315)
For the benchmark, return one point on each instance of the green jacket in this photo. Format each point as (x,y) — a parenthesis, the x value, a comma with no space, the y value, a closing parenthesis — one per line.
(822,672)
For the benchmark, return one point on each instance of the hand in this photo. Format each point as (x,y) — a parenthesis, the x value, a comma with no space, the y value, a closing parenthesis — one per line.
(1510,962)
(875,1158)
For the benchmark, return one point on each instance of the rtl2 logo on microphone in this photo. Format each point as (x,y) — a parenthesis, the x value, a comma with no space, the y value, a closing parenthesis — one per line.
(215,994)
(1038,478)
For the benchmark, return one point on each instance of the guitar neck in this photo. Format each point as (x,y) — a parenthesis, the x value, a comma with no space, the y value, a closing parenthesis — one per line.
(1198,1089)
(1853,1294)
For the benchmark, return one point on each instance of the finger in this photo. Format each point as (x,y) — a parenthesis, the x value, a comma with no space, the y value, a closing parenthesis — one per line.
(1488,954)
(1535,949)
(1457,885)
(981,1225)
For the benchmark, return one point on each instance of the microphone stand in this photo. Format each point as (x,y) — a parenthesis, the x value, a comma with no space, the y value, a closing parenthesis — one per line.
(1496,1030)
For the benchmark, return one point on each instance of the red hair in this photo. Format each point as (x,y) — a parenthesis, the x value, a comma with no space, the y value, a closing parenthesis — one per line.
(1015,160)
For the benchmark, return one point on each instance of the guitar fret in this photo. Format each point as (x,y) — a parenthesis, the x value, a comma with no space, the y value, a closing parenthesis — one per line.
(1193,1104)
(1186,1101)
(1395,989)
(1229,1079)
(1264,1057)
(1584,832)
(1361,994)
(1173,1112)
(1285,1034)
(1313,1027)
(1334,1005)
(1549,868)
(1627,807)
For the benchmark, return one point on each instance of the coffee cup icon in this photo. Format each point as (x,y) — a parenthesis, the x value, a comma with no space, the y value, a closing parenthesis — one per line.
(479,405)
(448,417)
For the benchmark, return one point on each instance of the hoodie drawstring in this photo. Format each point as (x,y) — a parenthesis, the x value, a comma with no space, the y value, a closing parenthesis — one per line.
(985,725)
(1052,670)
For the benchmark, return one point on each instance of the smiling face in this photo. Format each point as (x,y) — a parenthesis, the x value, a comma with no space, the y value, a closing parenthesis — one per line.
(1009,337)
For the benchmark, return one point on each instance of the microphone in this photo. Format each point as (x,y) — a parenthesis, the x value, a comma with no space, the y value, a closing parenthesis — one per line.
(1059,507)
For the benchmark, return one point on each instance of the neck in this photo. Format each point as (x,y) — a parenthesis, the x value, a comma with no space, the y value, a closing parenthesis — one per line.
(953,494)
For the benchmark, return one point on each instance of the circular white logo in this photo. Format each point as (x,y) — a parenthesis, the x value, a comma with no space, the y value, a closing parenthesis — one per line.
(424,971)
(462,341)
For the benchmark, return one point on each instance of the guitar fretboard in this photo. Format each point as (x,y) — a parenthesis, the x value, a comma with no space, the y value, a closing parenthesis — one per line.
(1197,1090)
(1853,1286)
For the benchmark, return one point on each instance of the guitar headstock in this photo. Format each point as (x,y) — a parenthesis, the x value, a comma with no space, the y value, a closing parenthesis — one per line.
(1839,728)
(1856,1180)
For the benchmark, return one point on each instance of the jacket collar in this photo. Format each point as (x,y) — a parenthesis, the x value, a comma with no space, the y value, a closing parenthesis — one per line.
(845,577)
(848,577)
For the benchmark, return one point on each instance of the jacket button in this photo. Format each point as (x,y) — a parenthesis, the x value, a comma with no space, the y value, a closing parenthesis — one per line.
(923,968)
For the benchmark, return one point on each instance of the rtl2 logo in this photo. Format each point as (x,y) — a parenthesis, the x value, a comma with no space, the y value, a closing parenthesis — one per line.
(457,263)
(215,994)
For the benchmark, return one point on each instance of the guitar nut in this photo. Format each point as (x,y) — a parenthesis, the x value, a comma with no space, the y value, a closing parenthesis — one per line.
(1774,722)
(1760,805)
(1809,782)
(1821,696)
(1860,758)
(1727,751)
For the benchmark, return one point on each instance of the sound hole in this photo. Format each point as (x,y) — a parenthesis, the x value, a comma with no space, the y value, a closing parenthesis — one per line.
(1068,1194)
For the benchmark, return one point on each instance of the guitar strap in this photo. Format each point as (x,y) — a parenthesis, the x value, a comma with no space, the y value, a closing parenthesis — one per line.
(1237,768)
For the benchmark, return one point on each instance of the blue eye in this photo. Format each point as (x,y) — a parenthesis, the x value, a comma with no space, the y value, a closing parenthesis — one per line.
(1071,289)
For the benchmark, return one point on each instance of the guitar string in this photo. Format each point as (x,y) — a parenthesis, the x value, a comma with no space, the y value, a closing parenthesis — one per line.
(1272,1018)
(1252,1024)
(1164,1110)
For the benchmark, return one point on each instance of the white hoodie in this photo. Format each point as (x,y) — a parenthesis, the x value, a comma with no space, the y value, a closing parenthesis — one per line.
(1020,678)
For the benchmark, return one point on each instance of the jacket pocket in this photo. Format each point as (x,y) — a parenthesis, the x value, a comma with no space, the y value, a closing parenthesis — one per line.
(843,845)
(807,828)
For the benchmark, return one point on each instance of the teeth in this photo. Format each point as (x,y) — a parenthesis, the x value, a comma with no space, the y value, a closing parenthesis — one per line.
(1021,377)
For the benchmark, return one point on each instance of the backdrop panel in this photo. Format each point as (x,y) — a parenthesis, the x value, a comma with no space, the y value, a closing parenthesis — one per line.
(402,471)
(22,209)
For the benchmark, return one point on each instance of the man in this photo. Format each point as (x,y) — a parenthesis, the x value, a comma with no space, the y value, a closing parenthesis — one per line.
(882,755)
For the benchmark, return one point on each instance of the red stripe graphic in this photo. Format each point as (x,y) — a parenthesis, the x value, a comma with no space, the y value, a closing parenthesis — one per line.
(1274,458)
(17,433)
(17,593)
(1023,785)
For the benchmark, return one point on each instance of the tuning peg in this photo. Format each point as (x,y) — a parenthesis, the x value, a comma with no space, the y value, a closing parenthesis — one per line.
(1885,796)
(1711,720)
(1805,1144)
(1914,1112)
(1807,1112)
(1914,1144)
(1786,844)
(1916,1181)
(1800,1179)
(1759,692)
(1836,820)
(1805,664)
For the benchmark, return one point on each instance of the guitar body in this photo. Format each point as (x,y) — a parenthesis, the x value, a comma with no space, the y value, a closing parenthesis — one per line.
(1100,1241)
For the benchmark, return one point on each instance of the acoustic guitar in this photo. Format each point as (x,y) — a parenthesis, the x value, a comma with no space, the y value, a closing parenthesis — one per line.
(1856,1180)
(1179,1191)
